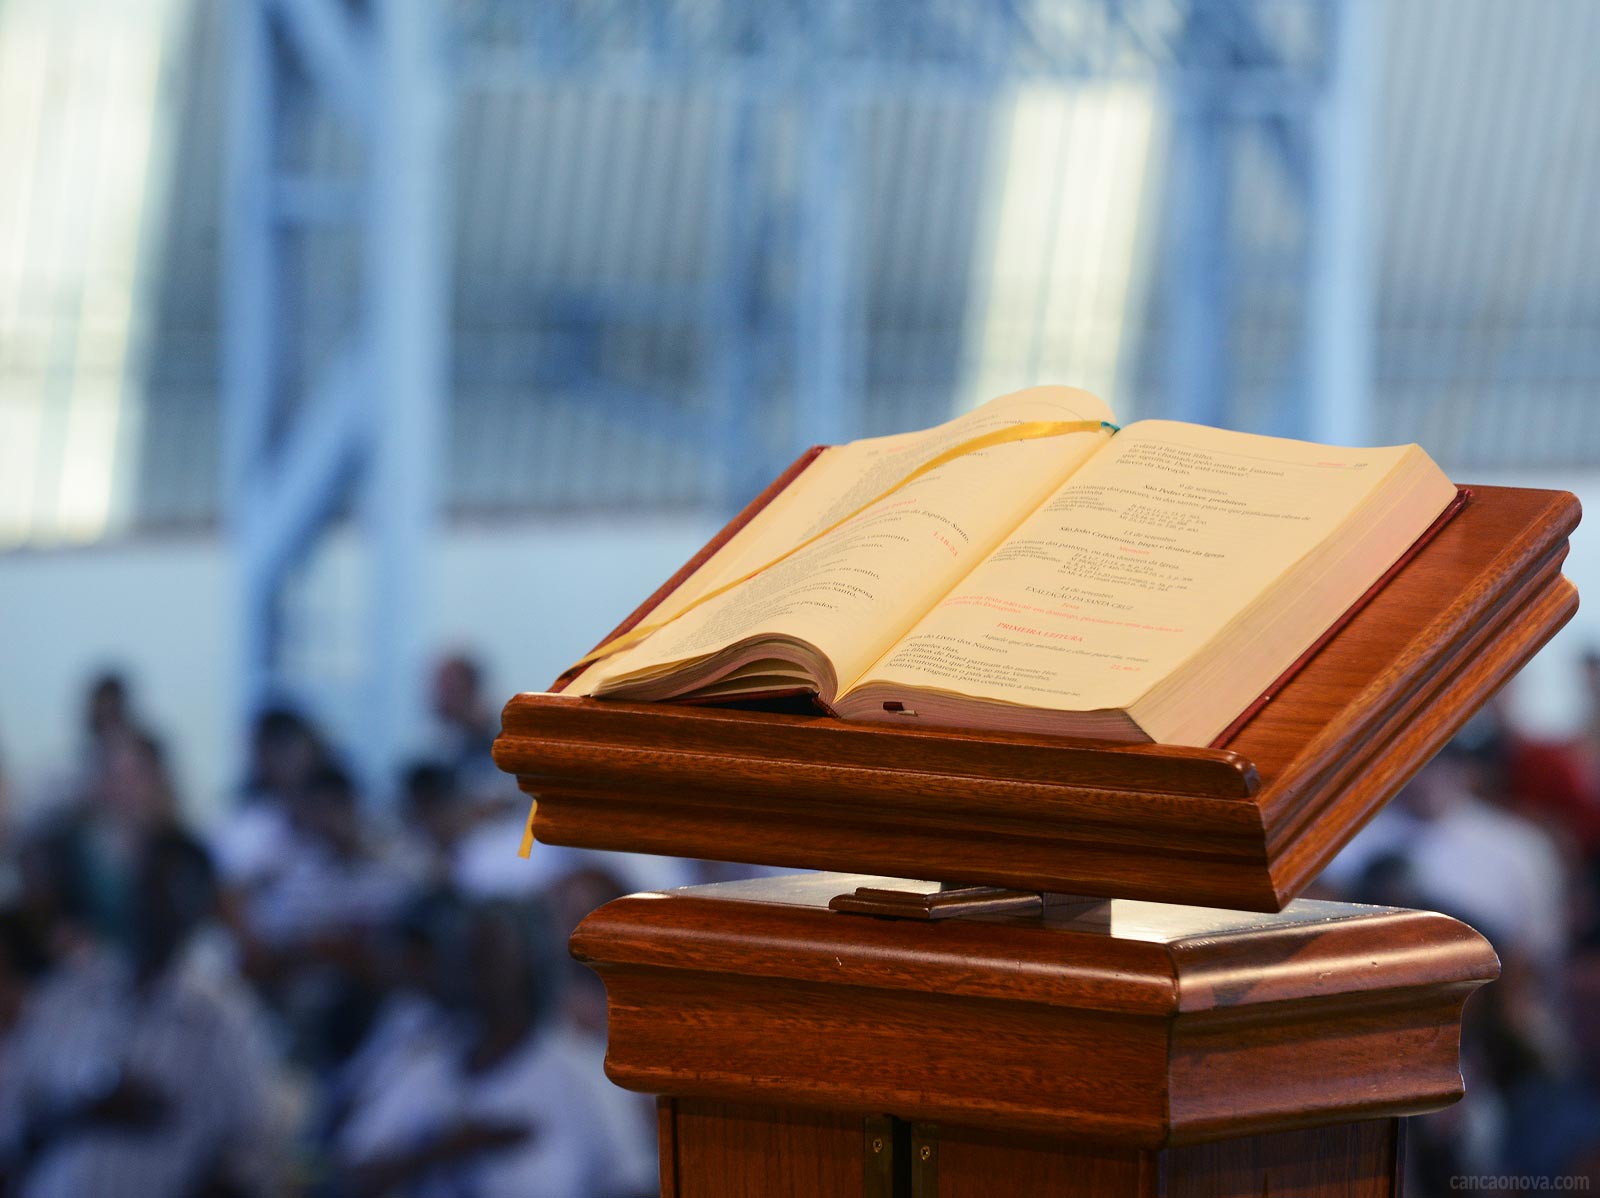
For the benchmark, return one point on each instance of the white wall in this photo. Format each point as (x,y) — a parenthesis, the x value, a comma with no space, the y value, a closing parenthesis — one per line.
(528,598)
(156,609)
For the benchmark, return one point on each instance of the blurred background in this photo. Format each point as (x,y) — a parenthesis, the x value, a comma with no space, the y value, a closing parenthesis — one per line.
(362,362)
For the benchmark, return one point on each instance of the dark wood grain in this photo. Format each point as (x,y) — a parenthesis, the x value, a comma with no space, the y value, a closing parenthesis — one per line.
(1351,1160)
(667,1139)
(777,1152)
(980,1163)
(1244,827)
(653,731)
(1160,1025)
(724,1150)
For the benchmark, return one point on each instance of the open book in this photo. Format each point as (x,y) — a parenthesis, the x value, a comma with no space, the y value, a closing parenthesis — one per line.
(1030,567)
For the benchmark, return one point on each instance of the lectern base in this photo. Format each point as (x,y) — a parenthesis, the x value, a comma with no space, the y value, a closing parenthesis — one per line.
(718,1150)
(1122,1049)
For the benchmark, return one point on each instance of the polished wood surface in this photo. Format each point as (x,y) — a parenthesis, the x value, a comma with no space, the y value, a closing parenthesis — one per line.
(1139,1027)
(741,1151)
(979,1163)
(724,1150)
(1247,826)
(1351,1160)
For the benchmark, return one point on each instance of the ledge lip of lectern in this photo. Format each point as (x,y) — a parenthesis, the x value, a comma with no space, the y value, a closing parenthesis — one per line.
(1133,1024)
(1246,826)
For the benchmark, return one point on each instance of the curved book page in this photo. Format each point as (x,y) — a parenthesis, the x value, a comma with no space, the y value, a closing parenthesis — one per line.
(1160,589)
(833,608)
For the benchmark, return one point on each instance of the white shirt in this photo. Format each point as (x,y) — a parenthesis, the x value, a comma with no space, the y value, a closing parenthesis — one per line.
(572,1150)
(1486,864)
(316,892)
(486,864)
(251,843)
(192,1038)
(1390,832)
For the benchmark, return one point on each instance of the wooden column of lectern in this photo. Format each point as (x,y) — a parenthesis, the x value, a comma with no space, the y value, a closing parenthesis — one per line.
(1103,984)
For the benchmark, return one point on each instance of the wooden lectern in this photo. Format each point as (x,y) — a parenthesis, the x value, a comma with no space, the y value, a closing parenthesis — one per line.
(1104,985)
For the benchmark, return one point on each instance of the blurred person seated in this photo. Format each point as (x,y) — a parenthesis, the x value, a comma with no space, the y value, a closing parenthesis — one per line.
(77,865)
(490,812)
(434,817)
(1554,1103)
(584,1013)
(1449,843)
(1555,1110)
(484,868)
(1388,881)
(108,717)
(23,965)
(409,1019)
(500,1107)
(1471,1138)
(450,840)
(1559,780)
(1510,1035)
(39,899)
(285,752)
(304,928)
(1465,852)
(333,876)
(570,900)
(1482,862)
(108,710)
(141,1071)
(465,725)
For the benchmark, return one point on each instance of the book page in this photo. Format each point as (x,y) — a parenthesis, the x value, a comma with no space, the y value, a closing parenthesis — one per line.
(1139,560)
(857,589)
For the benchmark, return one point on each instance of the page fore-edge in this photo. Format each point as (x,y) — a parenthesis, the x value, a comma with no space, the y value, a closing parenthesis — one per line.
(1463,495)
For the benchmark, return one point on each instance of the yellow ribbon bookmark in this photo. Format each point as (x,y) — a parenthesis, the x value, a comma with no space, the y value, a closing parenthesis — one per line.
(1030,431)
(527,832)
